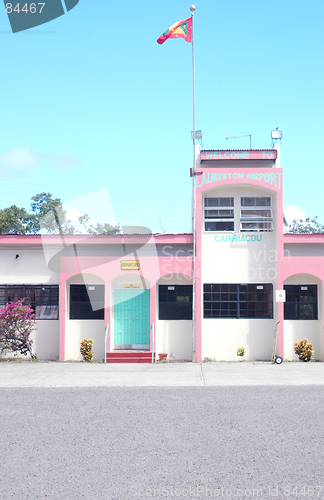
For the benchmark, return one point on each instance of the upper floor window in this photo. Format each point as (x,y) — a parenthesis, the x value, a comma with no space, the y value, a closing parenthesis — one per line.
(219,214)
(256,214)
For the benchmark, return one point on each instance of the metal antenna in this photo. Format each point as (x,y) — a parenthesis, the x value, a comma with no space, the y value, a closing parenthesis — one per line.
(237,136)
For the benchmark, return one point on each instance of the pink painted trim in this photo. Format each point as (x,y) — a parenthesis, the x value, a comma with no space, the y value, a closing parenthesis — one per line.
(280,277)
(31,239)
(62,309)
(303,265)
(152,314)
(198,320)
(108,315)
(303,238)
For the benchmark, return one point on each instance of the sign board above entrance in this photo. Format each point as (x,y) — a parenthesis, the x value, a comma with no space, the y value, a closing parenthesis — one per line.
(130,264)
(131,286)
(246,154)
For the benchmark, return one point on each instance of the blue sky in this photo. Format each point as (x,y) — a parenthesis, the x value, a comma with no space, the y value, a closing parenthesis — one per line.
(90,101)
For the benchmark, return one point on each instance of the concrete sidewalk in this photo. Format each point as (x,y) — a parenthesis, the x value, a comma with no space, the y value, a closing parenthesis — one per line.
(54,374)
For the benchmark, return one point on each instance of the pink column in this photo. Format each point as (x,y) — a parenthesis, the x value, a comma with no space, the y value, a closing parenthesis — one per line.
(152,315)
(62,314)
(199,312)
(108,316)
(280,270)
(198,320)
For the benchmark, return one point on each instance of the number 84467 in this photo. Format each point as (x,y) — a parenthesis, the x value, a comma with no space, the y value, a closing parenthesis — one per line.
(33,8)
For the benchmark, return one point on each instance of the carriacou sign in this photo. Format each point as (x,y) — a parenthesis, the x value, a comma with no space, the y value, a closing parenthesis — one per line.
(238,238)
(27,14)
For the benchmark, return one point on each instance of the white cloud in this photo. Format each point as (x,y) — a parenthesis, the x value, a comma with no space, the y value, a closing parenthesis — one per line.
(73,213)
(293,213)
(18,159)
(23,159)
(97,205)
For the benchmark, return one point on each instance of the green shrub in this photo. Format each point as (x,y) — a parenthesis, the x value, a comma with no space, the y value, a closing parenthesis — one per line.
(240,351)
(86,350)
(304,350)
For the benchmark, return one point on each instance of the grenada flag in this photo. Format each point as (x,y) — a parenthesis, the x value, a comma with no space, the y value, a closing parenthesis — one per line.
(182,29)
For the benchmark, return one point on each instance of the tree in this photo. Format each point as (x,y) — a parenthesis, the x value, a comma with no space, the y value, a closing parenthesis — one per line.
(306,226)
(47,216)
(17,321)
(14,220)
(103,229)
(98,228)
(51,217)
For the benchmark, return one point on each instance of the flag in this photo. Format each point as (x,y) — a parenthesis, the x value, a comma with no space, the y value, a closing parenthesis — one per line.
(182,29)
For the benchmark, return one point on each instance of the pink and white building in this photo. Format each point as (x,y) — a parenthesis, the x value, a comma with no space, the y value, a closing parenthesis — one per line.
(132,294)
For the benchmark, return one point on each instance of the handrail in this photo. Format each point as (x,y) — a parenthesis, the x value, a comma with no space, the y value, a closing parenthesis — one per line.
(105,347)
(152,343)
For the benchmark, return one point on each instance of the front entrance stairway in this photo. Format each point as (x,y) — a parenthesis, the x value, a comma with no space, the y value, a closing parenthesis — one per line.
(129,357)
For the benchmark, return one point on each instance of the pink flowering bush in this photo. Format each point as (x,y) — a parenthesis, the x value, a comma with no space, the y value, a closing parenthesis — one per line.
(17,321)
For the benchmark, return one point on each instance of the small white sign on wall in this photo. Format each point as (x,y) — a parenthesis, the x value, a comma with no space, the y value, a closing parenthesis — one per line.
(280,295)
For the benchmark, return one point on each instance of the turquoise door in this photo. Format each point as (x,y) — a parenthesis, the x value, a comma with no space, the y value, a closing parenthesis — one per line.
(132,319)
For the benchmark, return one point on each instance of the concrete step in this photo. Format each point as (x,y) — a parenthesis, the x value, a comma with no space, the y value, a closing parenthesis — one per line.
(129,357)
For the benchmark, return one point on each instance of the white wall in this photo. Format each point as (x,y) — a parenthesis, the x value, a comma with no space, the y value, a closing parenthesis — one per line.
(77,330)
(46,339)
(174,338)
(296,330)
(30,268)
(221,338)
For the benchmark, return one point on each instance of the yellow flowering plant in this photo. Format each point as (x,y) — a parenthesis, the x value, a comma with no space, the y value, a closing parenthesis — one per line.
(304,350)
(86,350)
(240,351)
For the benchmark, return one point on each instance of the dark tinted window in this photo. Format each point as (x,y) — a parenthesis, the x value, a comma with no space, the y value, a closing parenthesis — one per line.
(301,302)
(175,302)
(238,301)
(87,301)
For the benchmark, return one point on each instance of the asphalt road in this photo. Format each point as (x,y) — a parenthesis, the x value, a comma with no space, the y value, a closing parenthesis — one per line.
(250,441)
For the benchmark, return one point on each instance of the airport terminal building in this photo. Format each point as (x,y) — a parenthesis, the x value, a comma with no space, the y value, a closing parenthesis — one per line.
(134,294)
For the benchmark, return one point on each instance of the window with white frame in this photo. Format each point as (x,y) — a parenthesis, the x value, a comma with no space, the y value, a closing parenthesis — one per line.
(218,213)
(256,214)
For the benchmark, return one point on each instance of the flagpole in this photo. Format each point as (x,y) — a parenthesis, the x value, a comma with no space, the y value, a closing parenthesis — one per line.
(193,8)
